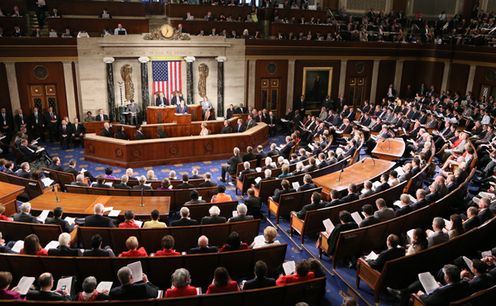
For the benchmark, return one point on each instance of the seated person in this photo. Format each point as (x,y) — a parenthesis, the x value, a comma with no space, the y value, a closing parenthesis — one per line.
(121,134)
(307,183)
(393,251)
(98,219)
(100,183)
(316,203)
(64,248)
(267,239)
(80,181)
(133,248)
(221,196)
(303,273)
(167,244)
(181,287)
(139,135)
(185,184)
(96,248)
(161,133)
(25,214)
(45,293)
(204,130)
(335,199)
(214,217)
(203,246)
(286,188)
(32,246)
(130,290)
(107,130)
(241,211)
(253,203)
(108,173)
(195,175)
(208,181)
(418,243)
(181,108)
(366,190)
(185,219)
(368,213)
(346,223)
(260,280)
(129,220)
(154,222)
(233,243)
(142,184)
(3,217)
(123,183)
(383,212)
(165,184)
(5,293)
(437,235)
(195,198)
(222,282)
(246,170)
(89,292)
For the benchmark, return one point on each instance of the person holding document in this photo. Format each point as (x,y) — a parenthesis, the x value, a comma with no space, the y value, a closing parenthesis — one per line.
(45,293)
(131,289)
(5,293)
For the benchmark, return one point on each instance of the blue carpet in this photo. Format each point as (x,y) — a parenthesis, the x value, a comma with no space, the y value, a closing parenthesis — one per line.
(295,250)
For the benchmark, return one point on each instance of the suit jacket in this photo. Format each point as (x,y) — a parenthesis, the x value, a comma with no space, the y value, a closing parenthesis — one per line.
(349,197)
(471,223)
(257,283)
(254,205)
(140,187)
(437,238)
(207,184)
(23,217)
(106,133)
(333,238)
(99,117)
(484,215)
(139,135)
(240,128)
(229,113)
(184,222)
(444,295)
(184,186)
(20,121)
(384,214)
(193,202)
(403,210)
(64,251)
(175,100)
(419,204)
(121,186)
(233,163)
(134,291)
(480,282)
(385,256)
(245,172)
(278,192)
(161,100)
(226,130)
(78,130)
(307,187)
(312,206)
(213,220)
(63,224)
(98,221)
(368,221)
(240,218)
(366,194)
(98,253)
(208,249)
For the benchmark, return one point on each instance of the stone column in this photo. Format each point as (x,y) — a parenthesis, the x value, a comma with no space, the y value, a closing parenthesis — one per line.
(290,86)
(189,79)
(110,86)
(145,92)
(69,90)
(398,75)
(471,77)
(15,101)
(220,85)
(342,77)
(375,77)
(446,71)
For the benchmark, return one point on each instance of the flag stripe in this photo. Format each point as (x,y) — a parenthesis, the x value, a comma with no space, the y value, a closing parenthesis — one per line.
(167,77)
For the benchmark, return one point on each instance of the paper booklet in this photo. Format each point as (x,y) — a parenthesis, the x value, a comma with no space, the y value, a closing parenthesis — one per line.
(24,284)
(399,170)
(259,239)
(42,217)
(109,184)
(52,245)
(65,284)
(376,184)
(289,267)
(234,213)
(258,169)
(47,181)
(258,179)
(114,213)
(296,185)
(18,246)
(160,294)
(356,216)
(138,222)
(468,262)
(329,227)
(70,220)
(104,286)
(371,256)
(428,282)
(136,271)
(107,209)
(410,234)
(486,254)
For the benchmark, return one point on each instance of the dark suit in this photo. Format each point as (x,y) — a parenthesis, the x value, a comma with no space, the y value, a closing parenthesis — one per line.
(384,214)
(99,117)
(208,249)
(20,121)
(240,128)
(226,130)
(403,210)
(245,172)
(350,197)
(213,220)
(240,218)
(23,217)
(207,184)
(98,253)
(279,192)
(161,100)
(307,187)
(229,113)
(106,133)
(63,224)
(370,220)
(64,251)
(254,205)
(471,223)
(139,135)
(419,204)
(184,186)
(121,186)
(484,215)
(312,206)
(333,238)
(257,283)
(134,291)
(141,187)
(184,222)
(98,221)
(444,295)
(385,256)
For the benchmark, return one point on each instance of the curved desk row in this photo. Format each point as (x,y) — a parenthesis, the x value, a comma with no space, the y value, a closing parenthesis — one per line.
(149,152)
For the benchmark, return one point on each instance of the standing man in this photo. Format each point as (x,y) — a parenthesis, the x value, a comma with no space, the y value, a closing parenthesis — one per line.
(52,122)
(36,125)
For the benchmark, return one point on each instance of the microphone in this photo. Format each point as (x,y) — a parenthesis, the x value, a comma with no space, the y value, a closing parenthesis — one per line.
(341,172)
(57,200)
(142,204)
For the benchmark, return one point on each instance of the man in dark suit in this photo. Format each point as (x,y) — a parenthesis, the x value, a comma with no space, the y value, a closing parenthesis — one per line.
(130,290)
(24,171)
(472,220)
(261,280)
(208,181)
(64,134)
(346,224)
(230,111)
(314,205)
(203,247)
(107,130)
(383,212)
(185,219)
(241,211)
(214,217)
(272,122)
(240,127)
(286,149)
(56,164)
(27,151)
(421,201)
(101,116)
(231,165)
(484,212)
(141,184)
(249,156)
(352,194)
(194,196)
(64,248)
(98,219)
(100,183)
(6,124)
(253,203)
(36,124)
(20,120)
(57,219)
(481,279)
(160,100)
(393,251)
(308,183)
(177,98)
(368,212)
(185,184)
(45,293)
(25,214)
(77,132)
(250,122)
(241,109)
(335,199)
(139,133)
(226,129)
(123,183)
(181,108)
(96,248)
(246,170)
(286,188)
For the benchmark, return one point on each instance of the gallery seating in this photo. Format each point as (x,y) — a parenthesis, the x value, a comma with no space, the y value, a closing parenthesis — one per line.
(197,211)
(290,202)
(13,231)
(33,188)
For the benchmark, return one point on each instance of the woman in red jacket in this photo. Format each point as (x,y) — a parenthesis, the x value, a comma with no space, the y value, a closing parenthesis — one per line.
(180,284)
(133,250)
(303,273)
(167,247)
(222,282)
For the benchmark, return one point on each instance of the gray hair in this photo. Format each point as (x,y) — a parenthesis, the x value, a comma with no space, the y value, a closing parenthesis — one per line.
(184,212)
(439,222)
(25,207)
(64,239)
(89,284)
(99,208)
(242,209)
(180,278)
(268,173)
(214,210)
(124,274)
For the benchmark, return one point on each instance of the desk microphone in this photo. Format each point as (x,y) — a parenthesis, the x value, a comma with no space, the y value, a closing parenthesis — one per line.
(142,204)
(341,172)
(57,200)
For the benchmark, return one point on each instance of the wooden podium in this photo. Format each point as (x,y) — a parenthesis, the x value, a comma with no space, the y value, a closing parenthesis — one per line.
(157,114)
(182,118)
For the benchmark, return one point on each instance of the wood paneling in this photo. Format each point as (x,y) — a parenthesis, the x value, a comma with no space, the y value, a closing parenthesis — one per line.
(55,76)
(38,47)
(458,78)
(483,76)
(358,69)
(298,78)
(386,76)
(95,27)
(399,5)
(199,11)
(281,73)
(417,72)
(95,7)
(4,89)
(195,26)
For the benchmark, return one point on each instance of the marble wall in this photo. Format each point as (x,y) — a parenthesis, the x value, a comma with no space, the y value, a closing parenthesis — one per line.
(127,50)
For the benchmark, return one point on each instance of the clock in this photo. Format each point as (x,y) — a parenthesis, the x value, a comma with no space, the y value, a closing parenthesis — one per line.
(167,31)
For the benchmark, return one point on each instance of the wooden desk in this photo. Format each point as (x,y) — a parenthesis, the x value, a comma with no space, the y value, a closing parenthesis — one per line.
(157,114)
(82,204)
(389,149)
(368,169)
(93,126)
(8,195)
(149,152)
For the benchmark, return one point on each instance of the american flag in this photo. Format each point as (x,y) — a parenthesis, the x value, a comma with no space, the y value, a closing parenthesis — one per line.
(167,77)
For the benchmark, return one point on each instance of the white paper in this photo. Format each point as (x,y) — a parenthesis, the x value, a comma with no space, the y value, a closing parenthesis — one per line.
(107,209)
(52,245)
(24,284)
(70,220)
(447,224)
(234,213)
(160,294)
(136,271)
(296,185)
(399,170)
(397,203)
(18,246)
(104,286)
(289,267)
(198,290)
(356,216)
(258,179)
(371,256)
(468,262)
(47,181)
(328,226)
(259,239)
(83,170)
(200,198)
(428,282)
(376,184)
(147,184)
(44,214)
(311,146)
(65,284)
(114,213)
(258,169)
(410,234)
(140,223)
(109,184)
(484,194)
